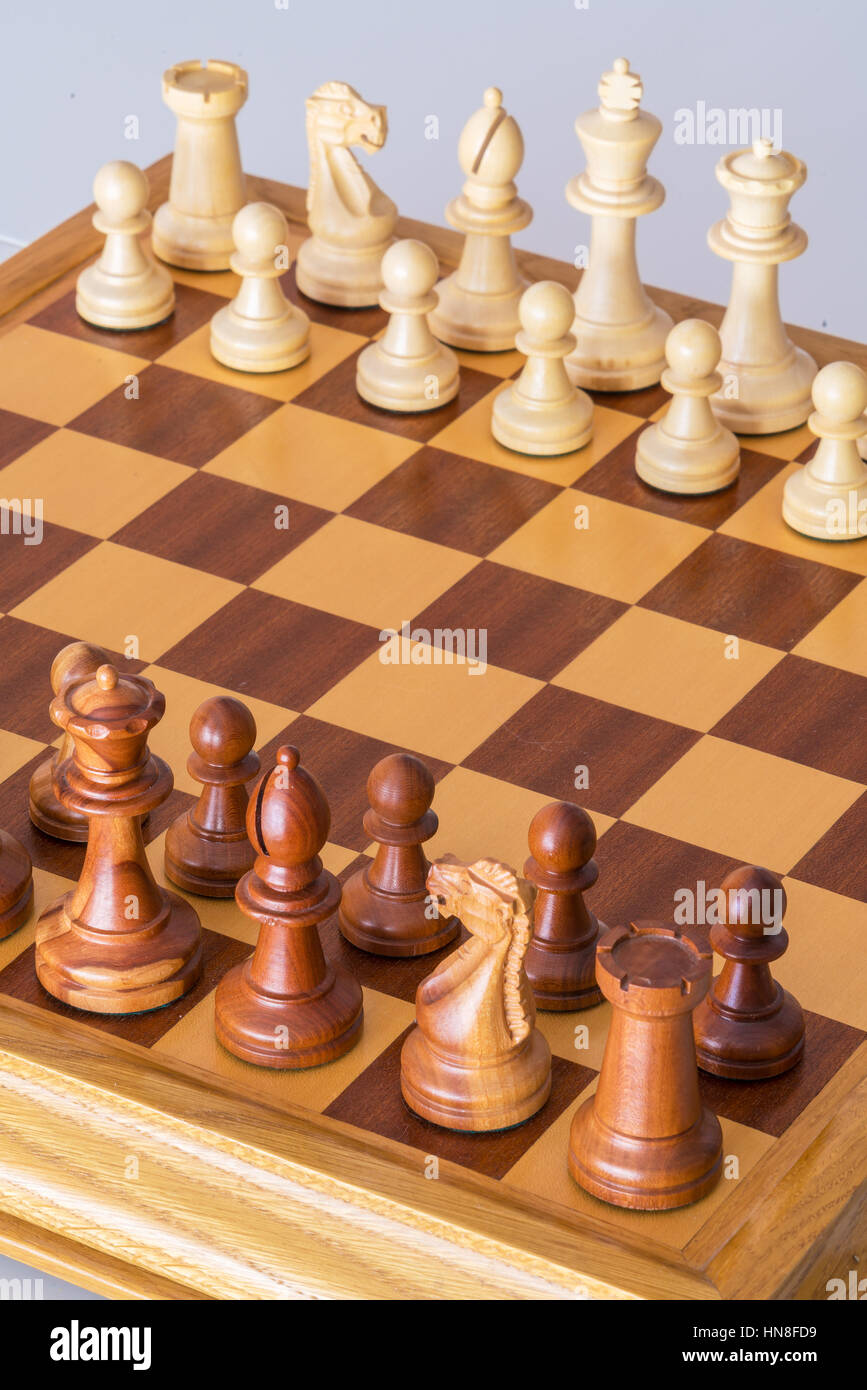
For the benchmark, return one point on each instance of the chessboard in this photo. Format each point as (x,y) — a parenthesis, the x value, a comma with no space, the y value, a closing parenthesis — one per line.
(692,665)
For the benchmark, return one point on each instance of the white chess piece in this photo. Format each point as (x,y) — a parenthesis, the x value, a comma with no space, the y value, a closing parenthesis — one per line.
(260,331)
(772,376)
(478,302)
(620,333)
(125,288)
(688,450)
(194,228)
(407,369)
(542,412)
(827,498)
(351,220)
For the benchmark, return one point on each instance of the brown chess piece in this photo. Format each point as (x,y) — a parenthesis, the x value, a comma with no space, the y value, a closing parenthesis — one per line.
(561,958)
(645,1140)
(207,850)
(286,1006)
(749,1026)
(385,906)
(73,662)
(117,943)
(476,1061)
(16,884)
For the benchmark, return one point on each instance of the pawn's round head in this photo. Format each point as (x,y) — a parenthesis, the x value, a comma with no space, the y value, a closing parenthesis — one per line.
(222,731)
(400,789)
(693,348)
(840,392)
(120,190)
(258,230)
(754,900)
(546,311)
(409,269)
(561,837)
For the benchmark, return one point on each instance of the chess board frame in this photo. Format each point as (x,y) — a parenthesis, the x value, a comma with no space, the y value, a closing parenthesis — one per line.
(339,1212)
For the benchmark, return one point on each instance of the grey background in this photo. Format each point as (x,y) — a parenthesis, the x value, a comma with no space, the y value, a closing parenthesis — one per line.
(75,71)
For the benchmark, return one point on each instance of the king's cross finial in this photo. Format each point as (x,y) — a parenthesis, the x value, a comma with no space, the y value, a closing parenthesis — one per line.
(620,90)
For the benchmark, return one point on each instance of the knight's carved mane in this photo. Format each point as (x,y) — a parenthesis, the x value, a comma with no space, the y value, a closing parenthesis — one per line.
(329,91)
(500,880)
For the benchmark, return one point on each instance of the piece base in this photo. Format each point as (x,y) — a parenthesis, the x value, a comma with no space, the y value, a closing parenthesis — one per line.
(101,978)
(645,1174)
(619,357)
(745,1070)
(16,913)
(193,243)
(747,1049)
(203,884)
(673,467)
(287,1034)
(408,934)
(246,346)
(814,510)
(346,279)
(539,430)
(400,386)
(567,1003)
(476,322)
(101,303)
(789,385)
(475,1100)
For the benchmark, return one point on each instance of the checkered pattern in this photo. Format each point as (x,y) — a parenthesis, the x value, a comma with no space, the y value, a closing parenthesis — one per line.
(688,669)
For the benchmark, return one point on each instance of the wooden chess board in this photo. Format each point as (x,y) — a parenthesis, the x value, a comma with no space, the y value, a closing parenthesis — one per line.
(141,1159)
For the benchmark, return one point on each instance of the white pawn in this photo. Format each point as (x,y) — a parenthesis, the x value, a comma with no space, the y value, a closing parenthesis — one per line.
(542,412)
(407,369)
(688,450)
(125,288)
(260,331)
(827,498)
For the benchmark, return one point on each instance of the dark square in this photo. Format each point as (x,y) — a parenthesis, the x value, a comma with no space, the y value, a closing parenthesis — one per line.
(341,761)
(615,478)
(176,416)
(367,320)
(373,1102)
(273,649)
(640,871)
(18,433)
(25,568)
(750,591)
(838,861)
(772,1105)
(25,689)
(442,497)
(192,308)
(219,954)
(335,394)
(558,731)
(220,526)
(534,626)
(642,403)
(806,712)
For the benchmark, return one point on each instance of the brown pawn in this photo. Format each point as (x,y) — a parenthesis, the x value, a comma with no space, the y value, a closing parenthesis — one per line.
(117,943)
(385,905)
(749,1026)
(286,1006)
(16,884)
(207,849)
(645,1140)
(73,663)
(561,959)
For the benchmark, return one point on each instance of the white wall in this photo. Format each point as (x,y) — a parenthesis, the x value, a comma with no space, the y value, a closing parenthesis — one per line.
(75,70)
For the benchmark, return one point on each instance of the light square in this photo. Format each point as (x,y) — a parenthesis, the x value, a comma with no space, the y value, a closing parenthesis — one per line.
(47,888)
(404,704)
(312,457)
(15,751)
(470,435)
(821,965)
(787,445)
(89,484)
(328,347)
(482,817)
(366,573)
(670,669)
(112,593)
(193,1042)
(760,520)
(744,803)
(840,639)
(543,1171)
(622,552)
(50,376)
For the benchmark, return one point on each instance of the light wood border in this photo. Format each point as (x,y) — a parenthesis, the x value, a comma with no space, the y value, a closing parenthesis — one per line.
(141,1179)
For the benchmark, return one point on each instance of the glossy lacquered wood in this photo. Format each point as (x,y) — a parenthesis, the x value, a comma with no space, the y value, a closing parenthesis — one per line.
(47,812)
(561,958)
